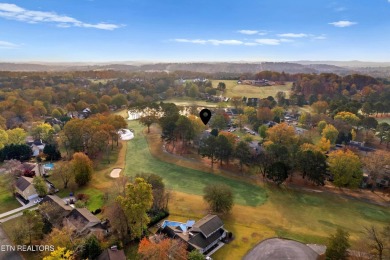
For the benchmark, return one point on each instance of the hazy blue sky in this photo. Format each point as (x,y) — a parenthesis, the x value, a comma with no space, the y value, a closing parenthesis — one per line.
(194,30)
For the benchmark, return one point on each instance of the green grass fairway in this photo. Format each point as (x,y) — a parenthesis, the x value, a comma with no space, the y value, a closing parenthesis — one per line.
(7,200)
(139,159)
(233,89)
(260,212)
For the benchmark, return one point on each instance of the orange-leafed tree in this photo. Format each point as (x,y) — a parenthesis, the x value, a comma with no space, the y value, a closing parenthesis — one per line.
(162,249)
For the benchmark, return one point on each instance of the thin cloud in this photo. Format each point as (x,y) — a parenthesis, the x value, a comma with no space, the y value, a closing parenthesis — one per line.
(343,23)
(268,41)
(248,32)
(293,35)
(320,37)
(14,12)
(212,41)
(8,45)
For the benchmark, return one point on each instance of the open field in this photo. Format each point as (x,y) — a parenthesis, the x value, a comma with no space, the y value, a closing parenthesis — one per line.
(271,211)
(187,101)
(7,200)
(234,89)
(383,119)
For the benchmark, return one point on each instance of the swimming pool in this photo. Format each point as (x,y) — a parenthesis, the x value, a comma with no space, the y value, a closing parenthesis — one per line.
(48,166)
(183,226)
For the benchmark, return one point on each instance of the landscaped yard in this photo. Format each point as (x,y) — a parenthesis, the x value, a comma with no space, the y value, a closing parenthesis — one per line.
(7,200)
(261,211)
(234,89)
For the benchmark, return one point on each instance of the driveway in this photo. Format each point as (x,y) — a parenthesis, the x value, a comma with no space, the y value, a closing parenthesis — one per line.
(281,249)
(4,241)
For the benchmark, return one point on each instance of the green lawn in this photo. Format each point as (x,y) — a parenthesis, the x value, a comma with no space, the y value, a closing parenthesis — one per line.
(7,200)
(234,89)
(139,159)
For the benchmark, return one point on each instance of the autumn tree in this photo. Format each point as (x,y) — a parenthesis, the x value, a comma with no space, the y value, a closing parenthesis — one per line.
(330,133)
(224,149)
(33,223)
(338,245)
(60,253)
(348,117)
(346,168)
(16,136)
(43,131)
(219,197)
(3,138)
(40,186)
(149,114)
(82,168)
(320,107)
(378,241)
(241,120)
(243,154)
(135,204)
(162,249)
(264,114)
(375,163)
(312,163)
(91,248)
(65,171)
(282,134)
(208,148)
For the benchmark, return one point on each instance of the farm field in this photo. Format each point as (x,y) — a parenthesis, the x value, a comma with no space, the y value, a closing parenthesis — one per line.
(234,89)
(261,210)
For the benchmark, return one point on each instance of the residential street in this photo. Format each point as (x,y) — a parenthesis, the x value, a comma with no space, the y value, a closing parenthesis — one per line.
(8,255)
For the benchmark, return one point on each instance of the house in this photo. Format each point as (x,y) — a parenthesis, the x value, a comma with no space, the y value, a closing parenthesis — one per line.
(36,145)
(85,222)
(33,169)
(25,188)
(112,254)
(203,235)
(59,209)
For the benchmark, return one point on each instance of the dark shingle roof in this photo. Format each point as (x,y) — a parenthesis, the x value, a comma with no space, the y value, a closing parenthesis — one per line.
(200,241)
(23,182)
(207,225)
(109,254)
(54,199)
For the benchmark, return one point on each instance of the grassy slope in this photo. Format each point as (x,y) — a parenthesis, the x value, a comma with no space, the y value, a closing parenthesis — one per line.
(183,179)
(307,217)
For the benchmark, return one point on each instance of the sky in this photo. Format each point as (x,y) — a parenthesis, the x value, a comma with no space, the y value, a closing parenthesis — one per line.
(194,30)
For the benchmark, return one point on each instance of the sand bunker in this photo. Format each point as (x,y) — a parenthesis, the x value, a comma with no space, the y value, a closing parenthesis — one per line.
(115,173)
(125,134)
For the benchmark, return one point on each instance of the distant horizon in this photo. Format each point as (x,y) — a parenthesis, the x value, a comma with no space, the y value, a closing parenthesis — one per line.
(194,31)
(141,62)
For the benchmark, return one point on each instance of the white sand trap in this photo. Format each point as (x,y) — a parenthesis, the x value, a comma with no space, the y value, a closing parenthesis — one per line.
(115,173)
(125,134)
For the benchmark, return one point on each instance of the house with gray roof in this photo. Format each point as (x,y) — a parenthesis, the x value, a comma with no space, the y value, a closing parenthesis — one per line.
(25,188)
(204,235)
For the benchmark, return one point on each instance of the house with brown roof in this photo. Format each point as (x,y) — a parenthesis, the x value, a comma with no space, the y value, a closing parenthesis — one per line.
(112,254)
(85,222)
(204,235)
(25,188)
(57,209)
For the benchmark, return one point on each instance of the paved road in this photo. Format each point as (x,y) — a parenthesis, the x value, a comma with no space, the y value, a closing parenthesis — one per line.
(7,255)
(281,249)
